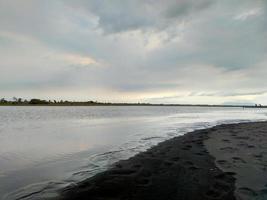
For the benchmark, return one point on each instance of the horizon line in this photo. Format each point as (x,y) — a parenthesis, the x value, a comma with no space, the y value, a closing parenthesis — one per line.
(41,102)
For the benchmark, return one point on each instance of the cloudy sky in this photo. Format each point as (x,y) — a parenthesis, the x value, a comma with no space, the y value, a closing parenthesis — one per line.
(159,51)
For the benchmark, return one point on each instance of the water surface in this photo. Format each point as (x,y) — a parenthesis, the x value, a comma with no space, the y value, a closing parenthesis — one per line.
(43,149)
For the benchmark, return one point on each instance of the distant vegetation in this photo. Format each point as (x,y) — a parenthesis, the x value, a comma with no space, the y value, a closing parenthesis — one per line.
(39,102)
(25,102)
(20,101)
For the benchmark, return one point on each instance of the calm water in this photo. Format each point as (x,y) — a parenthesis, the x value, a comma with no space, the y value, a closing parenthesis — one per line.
(43,149)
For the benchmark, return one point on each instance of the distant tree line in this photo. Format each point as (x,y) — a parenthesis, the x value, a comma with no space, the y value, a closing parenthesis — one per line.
(35,101)
(24,102)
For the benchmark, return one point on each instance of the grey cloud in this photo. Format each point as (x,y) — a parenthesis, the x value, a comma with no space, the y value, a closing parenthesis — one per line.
(215,38)
(184,8)
(199,46)
(126,15)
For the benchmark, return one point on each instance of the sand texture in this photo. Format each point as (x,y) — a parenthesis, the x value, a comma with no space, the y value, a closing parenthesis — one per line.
(242,149)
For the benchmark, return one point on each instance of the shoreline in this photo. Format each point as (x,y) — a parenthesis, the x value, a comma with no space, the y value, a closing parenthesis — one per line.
(203,164)
(132,105)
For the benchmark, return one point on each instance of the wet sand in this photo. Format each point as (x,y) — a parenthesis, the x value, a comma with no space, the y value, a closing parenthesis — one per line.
(242,149)
(224,162)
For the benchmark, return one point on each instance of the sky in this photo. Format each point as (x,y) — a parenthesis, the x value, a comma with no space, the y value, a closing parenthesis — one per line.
(157,51)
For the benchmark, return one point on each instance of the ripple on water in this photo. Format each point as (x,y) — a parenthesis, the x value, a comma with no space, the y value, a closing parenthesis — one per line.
(45,190)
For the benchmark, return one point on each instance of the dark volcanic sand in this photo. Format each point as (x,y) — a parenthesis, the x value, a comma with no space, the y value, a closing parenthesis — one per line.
(185,168)
(242,149)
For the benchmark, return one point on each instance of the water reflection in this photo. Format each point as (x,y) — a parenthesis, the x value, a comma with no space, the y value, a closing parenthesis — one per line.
(45,148)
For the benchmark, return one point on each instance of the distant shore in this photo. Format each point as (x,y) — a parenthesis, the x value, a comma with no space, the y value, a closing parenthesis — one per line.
(125,104)
(223,162)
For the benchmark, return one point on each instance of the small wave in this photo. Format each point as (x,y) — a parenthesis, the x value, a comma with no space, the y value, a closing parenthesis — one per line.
(45,190)
(108,153)
(152,138)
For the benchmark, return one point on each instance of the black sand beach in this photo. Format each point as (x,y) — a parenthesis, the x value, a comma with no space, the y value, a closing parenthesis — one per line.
(224,162)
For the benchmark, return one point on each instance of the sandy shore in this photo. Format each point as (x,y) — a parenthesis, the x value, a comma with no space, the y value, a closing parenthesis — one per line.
(242,149)
(224,163)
